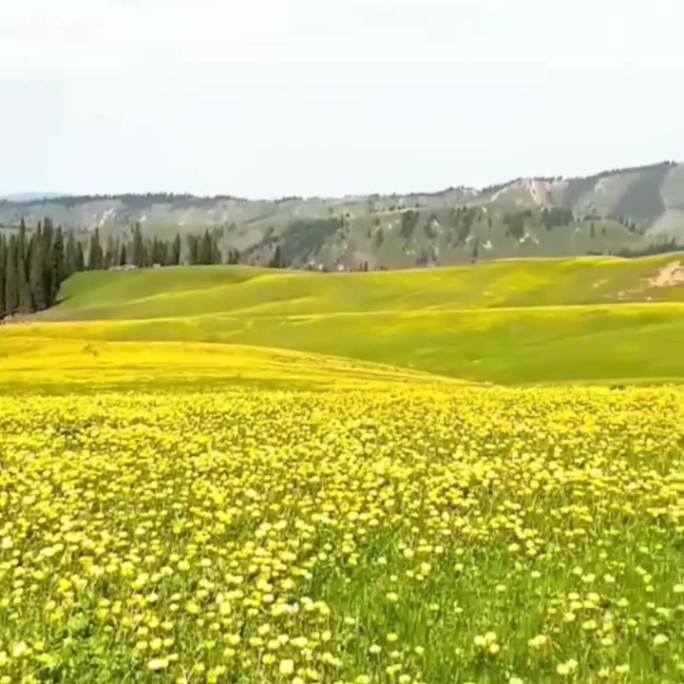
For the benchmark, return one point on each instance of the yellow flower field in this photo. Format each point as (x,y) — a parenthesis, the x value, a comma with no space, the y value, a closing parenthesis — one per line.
(393,534)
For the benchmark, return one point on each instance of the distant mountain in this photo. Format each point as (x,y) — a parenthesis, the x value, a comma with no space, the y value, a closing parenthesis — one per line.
(29,196)
(608,212)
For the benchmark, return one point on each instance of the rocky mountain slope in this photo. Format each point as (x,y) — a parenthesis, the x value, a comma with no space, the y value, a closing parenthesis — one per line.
(605,213)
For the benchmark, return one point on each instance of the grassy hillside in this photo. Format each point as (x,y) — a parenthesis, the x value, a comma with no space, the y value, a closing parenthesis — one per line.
(202,290)
(510,321)
(521,345)
(93,365)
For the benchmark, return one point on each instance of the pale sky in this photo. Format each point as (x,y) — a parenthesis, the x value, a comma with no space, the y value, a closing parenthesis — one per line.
(264,98)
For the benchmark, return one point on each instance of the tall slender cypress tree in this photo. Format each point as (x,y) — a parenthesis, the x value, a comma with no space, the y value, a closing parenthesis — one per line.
(70,255)
(80,257)
(57,265)
(39,285)
(175,256)
(22,246)
(138,247)
(111,253)
(193,249)
(50,276)
(11,277)
(25,295)
(95,255)
(3,267)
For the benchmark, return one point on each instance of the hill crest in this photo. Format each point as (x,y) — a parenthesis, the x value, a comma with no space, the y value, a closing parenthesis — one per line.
(605,213)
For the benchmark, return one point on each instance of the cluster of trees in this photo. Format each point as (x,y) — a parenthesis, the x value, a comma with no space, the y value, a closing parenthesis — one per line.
(205,250)
(516,223)
(34,263)
(302,238)
(431,227)
(409,221)
(32,267)
(144,252)
(278,259)
(462,220)
(552,217)
(135,251)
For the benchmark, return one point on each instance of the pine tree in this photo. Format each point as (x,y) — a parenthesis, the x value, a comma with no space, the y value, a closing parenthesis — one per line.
(25,295)
(50,276)
(11,277)
(22,247)
(122,254)
(138,247)
(148,258)
(175,252)
(159,252)
(39,284)
(277,260)
(21,287)
(95,255)
(70,256)
(58,267)
(80,258)
(110,254)
(193,250)
(164,252)
(207,249)
(3,257)
(233,257)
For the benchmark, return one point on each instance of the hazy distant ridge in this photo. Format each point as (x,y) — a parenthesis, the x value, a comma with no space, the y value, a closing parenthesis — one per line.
(603,213)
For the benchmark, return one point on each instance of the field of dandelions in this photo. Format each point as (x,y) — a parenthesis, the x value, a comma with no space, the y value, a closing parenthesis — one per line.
(384,535)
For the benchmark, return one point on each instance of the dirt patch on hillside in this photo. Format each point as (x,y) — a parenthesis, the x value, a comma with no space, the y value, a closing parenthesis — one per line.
(668,276)
(539,191)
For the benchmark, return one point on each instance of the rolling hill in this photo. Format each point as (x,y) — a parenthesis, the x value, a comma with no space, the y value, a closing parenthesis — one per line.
(95,366)
(533,217)
(515,321)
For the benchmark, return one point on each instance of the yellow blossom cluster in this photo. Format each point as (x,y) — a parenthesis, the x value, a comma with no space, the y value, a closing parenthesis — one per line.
(399,534)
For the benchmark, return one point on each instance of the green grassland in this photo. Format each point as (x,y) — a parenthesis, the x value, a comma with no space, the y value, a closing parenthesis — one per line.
(173,438)
(210,290)
(510,321)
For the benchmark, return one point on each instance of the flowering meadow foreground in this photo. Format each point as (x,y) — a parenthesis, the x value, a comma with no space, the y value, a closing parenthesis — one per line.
(411,534)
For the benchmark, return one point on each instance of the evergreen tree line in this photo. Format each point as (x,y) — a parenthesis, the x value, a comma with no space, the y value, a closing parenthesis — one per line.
(33,264)
(136,251)
(204,249)
(141,252)
(32,267)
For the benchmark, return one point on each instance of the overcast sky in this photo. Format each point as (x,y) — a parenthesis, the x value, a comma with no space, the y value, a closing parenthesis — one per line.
(265,98)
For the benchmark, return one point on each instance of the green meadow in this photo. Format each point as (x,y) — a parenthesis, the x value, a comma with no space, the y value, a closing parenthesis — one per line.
(512,321)
(224,475)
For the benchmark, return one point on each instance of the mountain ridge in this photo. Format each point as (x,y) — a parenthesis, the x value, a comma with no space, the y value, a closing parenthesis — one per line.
(31,196)
(608,212)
